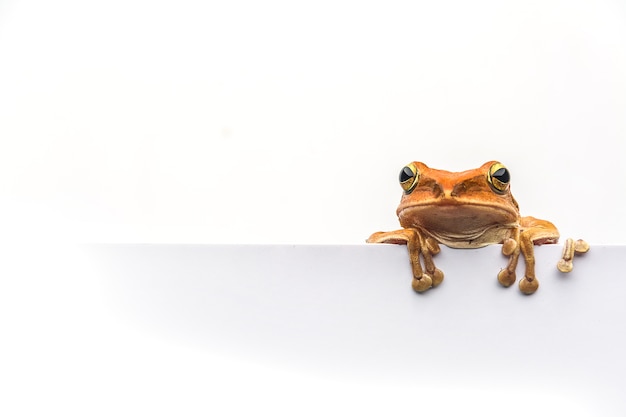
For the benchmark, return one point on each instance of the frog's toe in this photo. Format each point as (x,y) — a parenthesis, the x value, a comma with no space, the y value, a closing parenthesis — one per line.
(570,249)
(437,277)
(565,265)
(528,286)
(509,246)
(423,283)
(580,247)
(506,277)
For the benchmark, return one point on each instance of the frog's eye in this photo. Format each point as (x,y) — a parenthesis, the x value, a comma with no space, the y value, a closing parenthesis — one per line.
(409,177)
(499,177)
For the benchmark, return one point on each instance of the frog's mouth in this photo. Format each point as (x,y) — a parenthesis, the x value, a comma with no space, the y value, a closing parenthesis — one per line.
(475,224)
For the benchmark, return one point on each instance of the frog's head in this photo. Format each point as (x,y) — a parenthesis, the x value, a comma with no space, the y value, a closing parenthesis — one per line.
(457,203)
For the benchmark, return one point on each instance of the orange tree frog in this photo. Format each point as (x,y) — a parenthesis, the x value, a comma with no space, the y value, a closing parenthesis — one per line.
(468,209)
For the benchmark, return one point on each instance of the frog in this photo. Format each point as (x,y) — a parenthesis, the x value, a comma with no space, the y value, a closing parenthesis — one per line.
(465,210)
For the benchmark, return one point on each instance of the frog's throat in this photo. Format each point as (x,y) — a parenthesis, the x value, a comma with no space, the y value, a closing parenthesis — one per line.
(472,238)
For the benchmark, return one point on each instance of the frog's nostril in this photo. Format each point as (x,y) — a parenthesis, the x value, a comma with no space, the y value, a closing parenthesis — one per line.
(458,190)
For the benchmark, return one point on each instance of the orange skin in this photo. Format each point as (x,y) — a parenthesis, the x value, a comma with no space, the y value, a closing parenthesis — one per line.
(469,209)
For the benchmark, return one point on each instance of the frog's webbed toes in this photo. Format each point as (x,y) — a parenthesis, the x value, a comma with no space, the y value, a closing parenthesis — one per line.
(571,248)
(528,286)
(506,277)
(422,284)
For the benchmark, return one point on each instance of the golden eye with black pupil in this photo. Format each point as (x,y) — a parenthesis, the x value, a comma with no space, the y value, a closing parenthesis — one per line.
(409,177)
(499,178)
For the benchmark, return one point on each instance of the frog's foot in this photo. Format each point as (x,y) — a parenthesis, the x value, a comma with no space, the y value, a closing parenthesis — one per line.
(418,247)
(429,279)
(571,248)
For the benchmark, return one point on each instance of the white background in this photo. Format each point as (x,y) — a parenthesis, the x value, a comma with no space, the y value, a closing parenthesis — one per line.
(288,122)
(278,122)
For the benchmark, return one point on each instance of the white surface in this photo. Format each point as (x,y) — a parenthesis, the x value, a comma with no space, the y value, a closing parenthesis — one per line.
(310,330)
(286,122)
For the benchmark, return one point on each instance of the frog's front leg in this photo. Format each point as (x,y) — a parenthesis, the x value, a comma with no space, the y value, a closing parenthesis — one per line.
(534,232)
(416,244)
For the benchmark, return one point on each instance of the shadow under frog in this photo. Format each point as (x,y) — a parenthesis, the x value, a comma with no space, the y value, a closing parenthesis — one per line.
(469,209)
